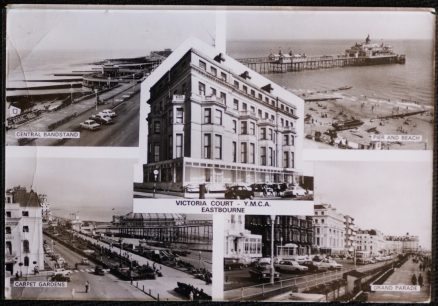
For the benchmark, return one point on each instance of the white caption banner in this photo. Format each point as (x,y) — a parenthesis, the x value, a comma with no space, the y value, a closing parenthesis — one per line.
(213,206)
(56,134)
(39,284)
(397,288)
(397,138)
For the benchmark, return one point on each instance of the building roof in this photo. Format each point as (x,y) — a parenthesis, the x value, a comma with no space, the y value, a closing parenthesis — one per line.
(24,198)
(154,217)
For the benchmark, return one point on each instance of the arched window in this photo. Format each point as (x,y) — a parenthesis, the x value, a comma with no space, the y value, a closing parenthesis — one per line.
(26,246)
(26,261)
(8,230)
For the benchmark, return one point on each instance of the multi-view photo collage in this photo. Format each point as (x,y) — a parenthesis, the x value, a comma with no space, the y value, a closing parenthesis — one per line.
(197,154)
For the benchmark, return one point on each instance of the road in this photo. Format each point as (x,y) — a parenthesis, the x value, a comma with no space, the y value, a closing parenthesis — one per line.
(106,287)
(124,132)
(161,286)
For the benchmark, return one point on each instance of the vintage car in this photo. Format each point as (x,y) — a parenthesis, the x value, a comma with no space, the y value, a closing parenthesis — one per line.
(262,271)
(90,125)
(290,266)
(239,192)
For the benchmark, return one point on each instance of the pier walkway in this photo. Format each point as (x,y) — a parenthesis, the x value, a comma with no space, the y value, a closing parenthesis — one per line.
(402,276)
(269,65)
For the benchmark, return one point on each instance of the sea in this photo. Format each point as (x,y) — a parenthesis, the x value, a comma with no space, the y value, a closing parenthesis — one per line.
(413,81)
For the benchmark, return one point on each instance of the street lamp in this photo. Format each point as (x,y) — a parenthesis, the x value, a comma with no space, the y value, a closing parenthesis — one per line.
(97,96)
(272,248)
(155,180)
(121,247)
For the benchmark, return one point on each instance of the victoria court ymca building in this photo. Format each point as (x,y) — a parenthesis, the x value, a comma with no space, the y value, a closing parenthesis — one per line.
(212,120)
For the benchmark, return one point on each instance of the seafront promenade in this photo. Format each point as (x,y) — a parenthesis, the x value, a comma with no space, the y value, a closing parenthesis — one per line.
(402,276)
(72,111)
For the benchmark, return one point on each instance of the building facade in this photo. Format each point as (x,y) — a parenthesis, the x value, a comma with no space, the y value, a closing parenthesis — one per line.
(294,231)
(23,231)
(371,242)
(213,121)
(407,243)
(240,243)
(329,230)
(350,233)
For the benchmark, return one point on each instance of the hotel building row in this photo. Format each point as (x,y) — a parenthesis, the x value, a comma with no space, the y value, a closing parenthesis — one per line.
(326,232)
(212,120)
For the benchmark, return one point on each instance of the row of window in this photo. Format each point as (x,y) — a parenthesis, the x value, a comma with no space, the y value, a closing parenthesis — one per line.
(8,229)
(24,213)
(236,84)
(26,248)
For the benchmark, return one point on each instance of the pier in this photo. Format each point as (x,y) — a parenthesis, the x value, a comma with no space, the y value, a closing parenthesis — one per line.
(269,65)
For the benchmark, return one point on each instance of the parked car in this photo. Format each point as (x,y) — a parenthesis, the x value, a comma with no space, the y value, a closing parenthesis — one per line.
(262,271)
(59,278)
(315,266)
(62,272)
(294,191)
(98,270)
(191,188)
(239,192)
(232,264)
(101,119)
(109,113)
(85,261)
(332,264)
(90,125)
(290,266)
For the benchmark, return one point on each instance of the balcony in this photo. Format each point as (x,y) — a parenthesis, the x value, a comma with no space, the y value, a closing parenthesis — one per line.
(214,100)
(178,98)
(247,114)
(288,129)
(266,121)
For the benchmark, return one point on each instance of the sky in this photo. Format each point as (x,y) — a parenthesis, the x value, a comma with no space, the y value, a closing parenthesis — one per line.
(285,25)
(92,186)
(393,197)
(118,32)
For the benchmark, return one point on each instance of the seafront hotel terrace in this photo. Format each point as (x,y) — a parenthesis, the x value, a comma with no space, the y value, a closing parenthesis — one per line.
(212,120)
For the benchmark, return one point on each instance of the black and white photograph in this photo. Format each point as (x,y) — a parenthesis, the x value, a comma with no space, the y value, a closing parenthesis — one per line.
(361,236)
(213,131)
(366,76)
(74,79)
(83,234)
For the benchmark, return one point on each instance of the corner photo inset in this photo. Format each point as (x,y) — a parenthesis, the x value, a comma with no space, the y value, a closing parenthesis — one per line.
(368,87)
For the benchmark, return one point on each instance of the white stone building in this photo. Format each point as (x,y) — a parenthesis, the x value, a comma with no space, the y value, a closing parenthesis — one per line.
(23,231)
(239,242)
(328,229)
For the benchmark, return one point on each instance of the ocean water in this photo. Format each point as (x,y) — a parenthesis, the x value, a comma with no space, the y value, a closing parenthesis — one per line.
(412,81)
(42,64)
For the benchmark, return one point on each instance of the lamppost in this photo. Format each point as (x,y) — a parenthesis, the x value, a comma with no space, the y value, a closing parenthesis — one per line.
(155,180)
(272,248)
(121,247)
(97,96)
(71,93)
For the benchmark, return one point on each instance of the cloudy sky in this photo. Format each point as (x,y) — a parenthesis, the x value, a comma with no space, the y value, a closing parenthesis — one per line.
(90,186)
(394,197)
(283,25)
(107,33)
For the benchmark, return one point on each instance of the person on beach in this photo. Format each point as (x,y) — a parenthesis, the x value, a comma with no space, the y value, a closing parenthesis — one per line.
(73,291)
(87,286)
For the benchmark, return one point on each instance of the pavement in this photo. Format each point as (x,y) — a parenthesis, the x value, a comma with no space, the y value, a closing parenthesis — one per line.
(402,276)
(127,123)
(161,287)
